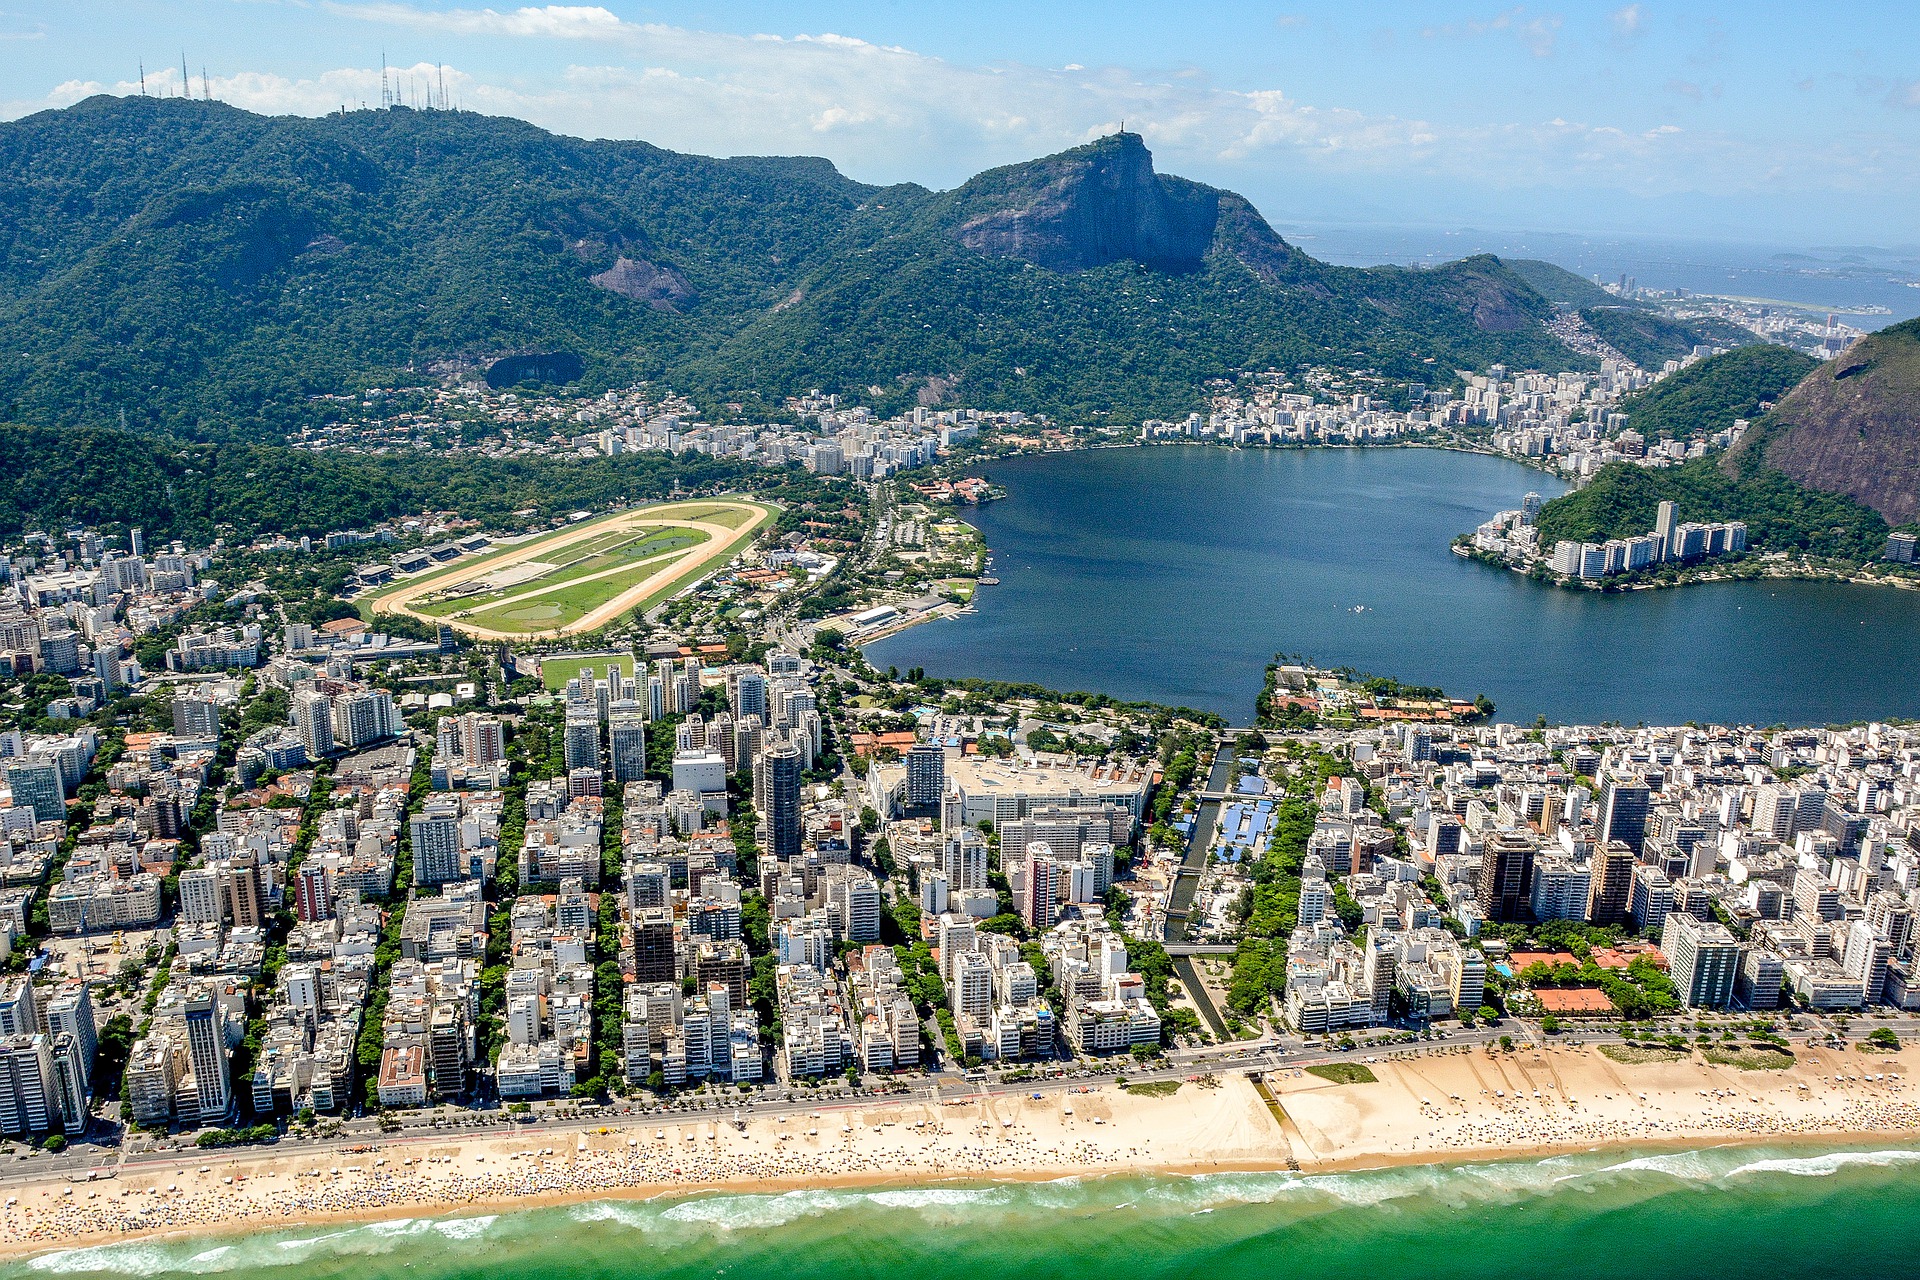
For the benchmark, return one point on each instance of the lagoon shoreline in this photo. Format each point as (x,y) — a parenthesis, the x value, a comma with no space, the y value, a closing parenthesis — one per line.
(1222,558)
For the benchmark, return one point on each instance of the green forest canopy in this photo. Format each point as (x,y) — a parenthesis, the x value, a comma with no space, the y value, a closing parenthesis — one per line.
(1706,397)
(1623,499)
(1650,339)
(107,479)
(190,267)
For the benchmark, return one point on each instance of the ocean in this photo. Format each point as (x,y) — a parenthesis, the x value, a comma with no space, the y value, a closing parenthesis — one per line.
(1721,1212)
(1868,286)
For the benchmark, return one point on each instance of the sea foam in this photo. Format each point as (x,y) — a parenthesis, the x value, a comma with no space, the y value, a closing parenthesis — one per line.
(1016,1206)
(1823,1166)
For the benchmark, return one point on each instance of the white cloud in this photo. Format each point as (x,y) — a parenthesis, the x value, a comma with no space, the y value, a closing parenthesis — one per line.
(1539,33)
(887,114)
(71,91)
(887,109)
(551,22)
(1628,21)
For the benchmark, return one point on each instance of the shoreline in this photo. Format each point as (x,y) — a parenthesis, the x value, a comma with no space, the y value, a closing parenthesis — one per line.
(1769,572)
(1798,573)
(457,1210)
(1492,1108)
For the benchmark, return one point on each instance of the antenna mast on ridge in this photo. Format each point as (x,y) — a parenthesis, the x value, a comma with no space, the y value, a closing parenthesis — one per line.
(143,77)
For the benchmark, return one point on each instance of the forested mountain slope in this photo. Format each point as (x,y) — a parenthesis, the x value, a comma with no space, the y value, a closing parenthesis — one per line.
(1851,426)
(192,267)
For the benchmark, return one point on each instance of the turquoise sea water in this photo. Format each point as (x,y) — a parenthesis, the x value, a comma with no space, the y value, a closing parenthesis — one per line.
(1726,1212)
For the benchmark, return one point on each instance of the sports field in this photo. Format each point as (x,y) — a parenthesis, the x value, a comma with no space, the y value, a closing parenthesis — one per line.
(584,576)
(555,672)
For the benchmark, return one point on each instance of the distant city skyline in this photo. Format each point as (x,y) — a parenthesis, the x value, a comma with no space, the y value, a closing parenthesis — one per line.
(1763,122)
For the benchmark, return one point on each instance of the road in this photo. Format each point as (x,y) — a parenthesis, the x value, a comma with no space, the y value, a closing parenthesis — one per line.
(145,1155)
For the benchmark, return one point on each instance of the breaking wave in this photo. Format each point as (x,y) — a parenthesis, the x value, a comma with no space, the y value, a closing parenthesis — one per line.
(1234,1203)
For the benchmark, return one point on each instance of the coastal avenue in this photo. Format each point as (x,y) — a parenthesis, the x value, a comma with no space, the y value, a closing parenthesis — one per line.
(1253,1057)
(1187,884)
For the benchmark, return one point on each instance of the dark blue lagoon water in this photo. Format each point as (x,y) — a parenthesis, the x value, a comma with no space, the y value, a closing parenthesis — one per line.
(1175,573)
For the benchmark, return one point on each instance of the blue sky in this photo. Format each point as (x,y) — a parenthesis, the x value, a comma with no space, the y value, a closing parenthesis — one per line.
(1780,123)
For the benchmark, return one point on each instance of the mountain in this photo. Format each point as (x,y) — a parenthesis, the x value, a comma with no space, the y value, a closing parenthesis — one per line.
(190,267)
(1623,499)
(1560,286)
(1829,463)
(1089,208)
(1851,426)
(1707,396)
(1637,331)
(1650,339)
(51,477)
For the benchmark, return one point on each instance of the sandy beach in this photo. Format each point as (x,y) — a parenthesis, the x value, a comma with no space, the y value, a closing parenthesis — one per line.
(1554,1100)
(1442,1106)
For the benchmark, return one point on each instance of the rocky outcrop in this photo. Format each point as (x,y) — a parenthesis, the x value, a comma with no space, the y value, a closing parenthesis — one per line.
(1088,207)
(661,287)
(1852,426)
(1497,309)
(603,234)
(1244,234)
(1104,203)
(535,367)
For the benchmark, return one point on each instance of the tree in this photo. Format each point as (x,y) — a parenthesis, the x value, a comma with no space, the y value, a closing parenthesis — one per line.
(1007,923)
(1180,1021)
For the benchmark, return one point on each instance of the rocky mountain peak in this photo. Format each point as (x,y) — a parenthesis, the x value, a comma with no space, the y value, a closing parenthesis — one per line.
(1085,208)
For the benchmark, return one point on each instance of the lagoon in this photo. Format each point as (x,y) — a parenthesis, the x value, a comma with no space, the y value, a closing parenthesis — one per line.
(1175,573)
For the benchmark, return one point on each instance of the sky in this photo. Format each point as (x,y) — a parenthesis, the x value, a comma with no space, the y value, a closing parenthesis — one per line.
(1766,122)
